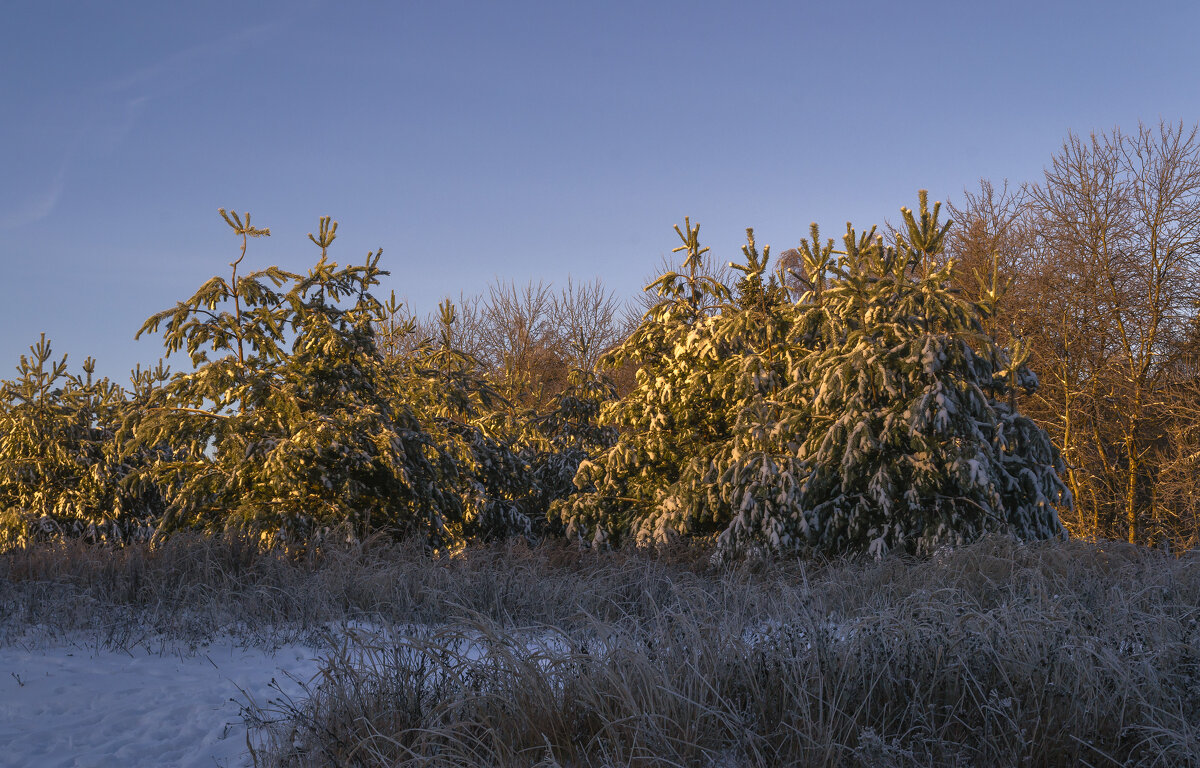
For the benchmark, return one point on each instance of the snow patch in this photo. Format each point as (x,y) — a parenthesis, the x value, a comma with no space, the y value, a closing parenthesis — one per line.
(71,705)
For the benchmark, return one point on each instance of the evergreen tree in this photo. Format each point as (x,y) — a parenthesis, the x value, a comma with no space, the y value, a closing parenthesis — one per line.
(908,437)
(654,482)
(874,414)
(295,426)
(757,289)
(750,485)
(61,470)
(471,422)
(566,433)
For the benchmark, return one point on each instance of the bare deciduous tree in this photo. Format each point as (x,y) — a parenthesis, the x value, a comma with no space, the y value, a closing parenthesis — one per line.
(586,318)
(1105,259)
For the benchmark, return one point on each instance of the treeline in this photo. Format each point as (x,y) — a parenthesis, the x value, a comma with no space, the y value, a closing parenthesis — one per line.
(874,395)
(850,400)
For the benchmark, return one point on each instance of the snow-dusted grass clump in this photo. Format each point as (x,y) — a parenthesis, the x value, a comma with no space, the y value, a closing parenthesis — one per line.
(994,654)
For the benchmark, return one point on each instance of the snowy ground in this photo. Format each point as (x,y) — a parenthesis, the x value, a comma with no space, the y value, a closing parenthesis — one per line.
(68,704)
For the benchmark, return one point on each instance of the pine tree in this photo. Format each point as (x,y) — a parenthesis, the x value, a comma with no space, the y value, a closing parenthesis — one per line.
(473,424)
(568,432)
(910,441)
(752,479)
(655,482)
(874,414)
(62,472)
(295,426)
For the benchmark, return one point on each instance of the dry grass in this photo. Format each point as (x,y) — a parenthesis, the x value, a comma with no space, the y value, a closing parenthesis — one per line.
(997,654)
(192,587)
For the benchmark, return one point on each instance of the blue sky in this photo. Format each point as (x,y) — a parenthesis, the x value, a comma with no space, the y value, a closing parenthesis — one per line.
(519,140)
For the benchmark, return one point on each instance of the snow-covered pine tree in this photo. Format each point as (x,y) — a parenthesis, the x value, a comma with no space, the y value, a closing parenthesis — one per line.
(668,424)
(908,439)
(874,414)
(705,355)
(62,472)
(754,478)
(296,426)
(472,424)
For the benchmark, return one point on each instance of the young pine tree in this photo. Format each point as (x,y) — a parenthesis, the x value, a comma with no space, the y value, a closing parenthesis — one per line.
(294,426)
(704,354)
(752,480)
(472,423)
(909,435)
(62,472)
(874,414)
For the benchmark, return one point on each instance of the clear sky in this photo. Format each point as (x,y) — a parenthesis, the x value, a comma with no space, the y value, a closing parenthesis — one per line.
(476,140)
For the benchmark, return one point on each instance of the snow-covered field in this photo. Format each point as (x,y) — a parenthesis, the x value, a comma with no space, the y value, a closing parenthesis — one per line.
(68,704)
